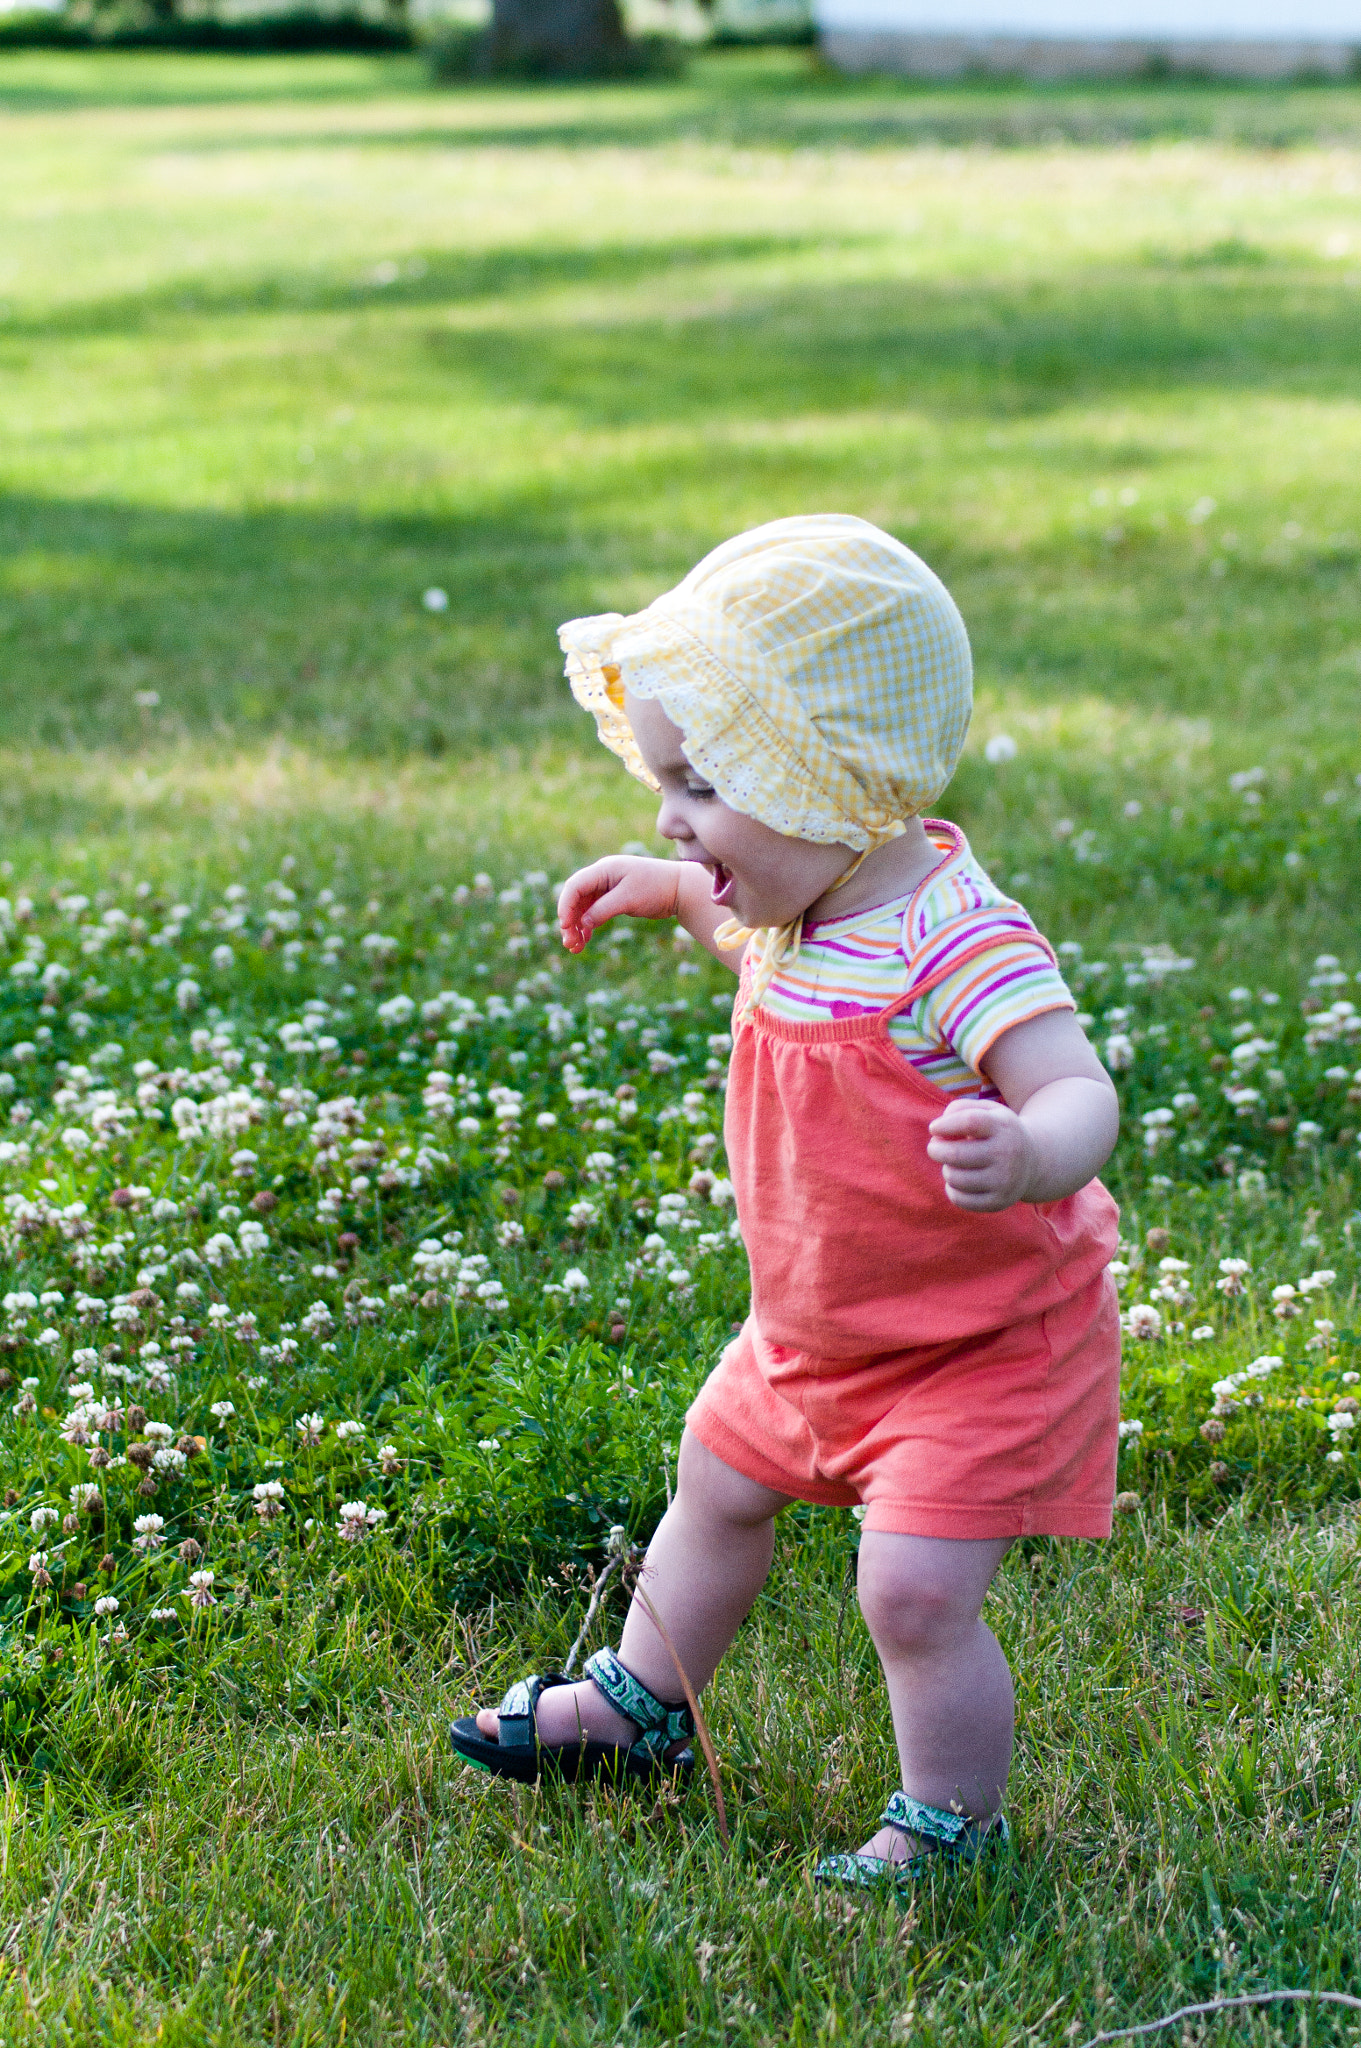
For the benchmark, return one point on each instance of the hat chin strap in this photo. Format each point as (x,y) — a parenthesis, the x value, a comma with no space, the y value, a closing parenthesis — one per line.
(777,945)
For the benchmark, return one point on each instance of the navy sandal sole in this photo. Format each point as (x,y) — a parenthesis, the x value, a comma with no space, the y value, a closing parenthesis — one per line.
(573,1765)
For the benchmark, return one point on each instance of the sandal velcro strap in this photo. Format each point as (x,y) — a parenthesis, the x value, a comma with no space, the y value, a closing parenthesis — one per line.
(659,1724)
(517,1711)
(945,1838)
(956,1836)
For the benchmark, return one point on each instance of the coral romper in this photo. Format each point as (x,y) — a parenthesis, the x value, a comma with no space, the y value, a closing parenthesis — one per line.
(958,1374)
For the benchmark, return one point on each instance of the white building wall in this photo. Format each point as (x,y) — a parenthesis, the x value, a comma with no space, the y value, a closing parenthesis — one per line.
(1052,38)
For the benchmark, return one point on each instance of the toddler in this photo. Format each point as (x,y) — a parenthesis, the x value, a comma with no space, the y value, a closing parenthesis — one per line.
(913,1123)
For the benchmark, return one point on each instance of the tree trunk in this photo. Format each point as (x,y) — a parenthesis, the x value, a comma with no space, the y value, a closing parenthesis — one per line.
(557,38)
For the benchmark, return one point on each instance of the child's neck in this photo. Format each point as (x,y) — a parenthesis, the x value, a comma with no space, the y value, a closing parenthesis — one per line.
(893,869)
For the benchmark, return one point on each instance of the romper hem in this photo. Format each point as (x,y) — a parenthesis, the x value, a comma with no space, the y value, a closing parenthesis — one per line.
(1011,1434)
(1085,1522)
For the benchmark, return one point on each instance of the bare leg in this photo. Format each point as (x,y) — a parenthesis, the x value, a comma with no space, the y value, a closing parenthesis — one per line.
(705,1565)
(948,1682)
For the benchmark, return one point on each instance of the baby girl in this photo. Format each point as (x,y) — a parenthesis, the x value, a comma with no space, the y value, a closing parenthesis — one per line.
(914,1121)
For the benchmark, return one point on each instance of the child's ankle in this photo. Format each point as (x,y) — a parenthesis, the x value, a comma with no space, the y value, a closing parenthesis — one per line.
(568,1712)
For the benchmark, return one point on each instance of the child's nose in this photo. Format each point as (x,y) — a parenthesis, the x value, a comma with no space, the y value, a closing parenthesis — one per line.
(671,824)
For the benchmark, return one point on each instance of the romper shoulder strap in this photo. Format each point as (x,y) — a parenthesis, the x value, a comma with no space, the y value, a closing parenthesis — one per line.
(921,984)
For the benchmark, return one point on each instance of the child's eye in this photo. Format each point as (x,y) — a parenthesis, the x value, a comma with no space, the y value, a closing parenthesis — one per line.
(699,790)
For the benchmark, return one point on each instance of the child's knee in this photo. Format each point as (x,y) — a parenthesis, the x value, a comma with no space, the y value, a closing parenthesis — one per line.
(912,1610)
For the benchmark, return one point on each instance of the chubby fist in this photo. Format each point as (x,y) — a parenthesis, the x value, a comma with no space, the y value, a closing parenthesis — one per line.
(986,1155)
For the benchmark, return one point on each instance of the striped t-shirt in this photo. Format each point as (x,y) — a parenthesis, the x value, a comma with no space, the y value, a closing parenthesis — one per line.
(853,965)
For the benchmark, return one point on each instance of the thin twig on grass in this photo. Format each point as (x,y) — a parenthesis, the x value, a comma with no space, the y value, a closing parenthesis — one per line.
(1190,2012)
(701,1725)
(598,1586)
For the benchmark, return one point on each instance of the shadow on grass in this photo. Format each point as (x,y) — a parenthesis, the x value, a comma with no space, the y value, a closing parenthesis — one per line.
(444,278)
(1230,316)
(783,99)
(307,623)
(56,82)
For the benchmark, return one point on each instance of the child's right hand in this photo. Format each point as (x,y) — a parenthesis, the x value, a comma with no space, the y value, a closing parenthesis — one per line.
(623,885)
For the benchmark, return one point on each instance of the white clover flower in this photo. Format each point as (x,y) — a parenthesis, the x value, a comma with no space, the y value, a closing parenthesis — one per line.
(106,1604)
(1143,1320)
(42,1518)
(354,1521)
(348,1428)
(1131,1428)
(222,1411)
(147,1532)
(268,1496)
(581,1215)
(546,1120)
(1118,1052)
(575,1281)
(163,1614)
(999,749)
(1340,1421)
(310,1428)
(167,1459)
(200,1592)
(1203,1333)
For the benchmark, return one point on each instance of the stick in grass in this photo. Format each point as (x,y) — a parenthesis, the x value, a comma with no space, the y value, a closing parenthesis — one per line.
(1188,2012)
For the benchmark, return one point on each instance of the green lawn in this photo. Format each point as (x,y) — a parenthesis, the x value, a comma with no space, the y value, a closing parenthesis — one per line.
(283,345)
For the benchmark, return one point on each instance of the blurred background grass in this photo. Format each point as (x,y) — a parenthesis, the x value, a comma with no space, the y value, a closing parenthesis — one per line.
(287,341)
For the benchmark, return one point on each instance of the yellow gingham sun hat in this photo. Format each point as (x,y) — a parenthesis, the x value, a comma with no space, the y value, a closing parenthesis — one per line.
(818,671)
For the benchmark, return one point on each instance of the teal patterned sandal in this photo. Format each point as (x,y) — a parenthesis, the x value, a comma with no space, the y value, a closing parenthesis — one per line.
(945,1837)
(519,1753)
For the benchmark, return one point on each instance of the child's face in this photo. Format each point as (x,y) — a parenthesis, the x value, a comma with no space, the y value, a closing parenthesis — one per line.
(760,875)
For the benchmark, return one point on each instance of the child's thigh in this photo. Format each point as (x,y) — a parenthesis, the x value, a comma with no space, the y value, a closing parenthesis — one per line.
(705,1483)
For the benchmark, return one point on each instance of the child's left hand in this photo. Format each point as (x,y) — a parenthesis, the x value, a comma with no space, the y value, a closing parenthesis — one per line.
(986,1154)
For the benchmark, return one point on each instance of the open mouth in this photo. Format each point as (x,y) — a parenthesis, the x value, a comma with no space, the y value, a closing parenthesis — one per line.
(722,884)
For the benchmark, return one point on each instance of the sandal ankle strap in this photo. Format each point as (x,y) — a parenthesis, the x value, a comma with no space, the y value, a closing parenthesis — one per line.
(659,1724)
(954,1835)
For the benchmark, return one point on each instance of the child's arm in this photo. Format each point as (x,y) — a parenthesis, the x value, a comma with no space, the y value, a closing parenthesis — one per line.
(1054,1130)
(626,885)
